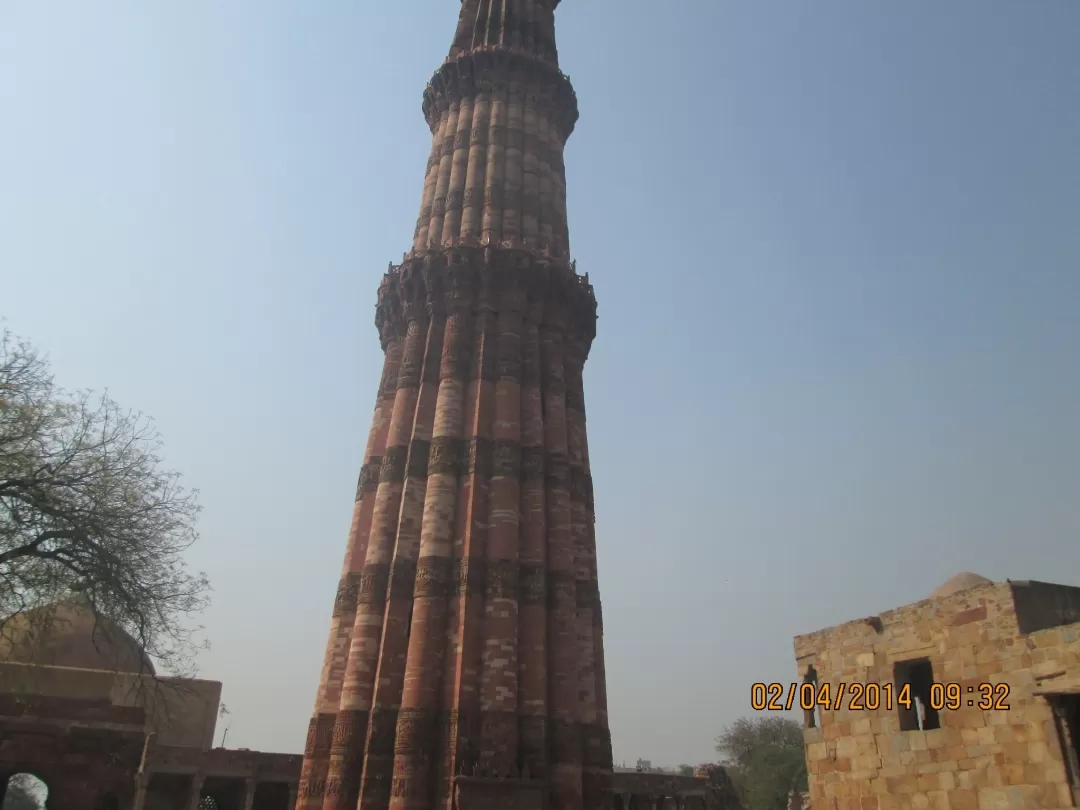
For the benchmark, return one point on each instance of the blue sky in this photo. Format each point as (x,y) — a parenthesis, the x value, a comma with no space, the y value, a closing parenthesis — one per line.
(836,247)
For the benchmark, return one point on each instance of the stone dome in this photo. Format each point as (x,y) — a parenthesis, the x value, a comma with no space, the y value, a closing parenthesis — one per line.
(66,634)
(960,582)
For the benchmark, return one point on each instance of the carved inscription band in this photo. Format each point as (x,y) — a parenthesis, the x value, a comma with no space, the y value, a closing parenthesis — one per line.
(482,457)
(413,731)
(442,578)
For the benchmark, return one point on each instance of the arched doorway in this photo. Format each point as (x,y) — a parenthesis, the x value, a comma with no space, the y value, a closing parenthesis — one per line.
(24,791)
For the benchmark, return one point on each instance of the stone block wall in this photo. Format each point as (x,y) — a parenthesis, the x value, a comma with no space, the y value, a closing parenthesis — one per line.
(997,759)
(181,711)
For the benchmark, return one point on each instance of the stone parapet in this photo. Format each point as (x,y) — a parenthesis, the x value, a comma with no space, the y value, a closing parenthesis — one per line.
(547,291)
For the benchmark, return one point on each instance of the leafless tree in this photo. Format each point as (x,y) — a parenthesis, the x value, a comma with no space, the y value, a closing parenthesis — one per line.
(22,793)
(86,508)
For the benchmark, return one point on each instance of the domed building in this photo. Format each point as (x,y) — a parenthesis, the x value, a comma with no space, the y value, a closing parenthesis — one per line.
(69,634)
(83,709)
(968,698)
(963,581)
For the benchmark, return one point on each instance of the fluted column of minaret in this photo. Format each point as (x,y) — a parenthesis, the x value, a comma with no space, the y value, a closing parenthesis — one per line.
(512,172)
(431,180)
(466,637)
(416,750)
(462,670)
(596,739)
(472,211)
(540,153)
(522,25)
(494,183)
(425,319)
(563,649)
(355,722)
(459,168)
(499,680)
(448,120)
(500,113)
(320,731)
(509,188)
(533,650)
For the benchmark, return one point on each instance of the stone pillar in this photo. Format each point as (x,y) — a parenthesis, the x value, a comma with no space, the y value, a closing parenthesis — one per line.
(142,784)
(194,791)
(249,793)
(294,790)
(142,778)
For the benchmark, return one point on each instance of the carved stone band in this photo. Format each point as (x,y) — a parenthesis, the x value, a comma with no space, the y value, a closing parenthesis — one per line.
(440,578)
(457,279)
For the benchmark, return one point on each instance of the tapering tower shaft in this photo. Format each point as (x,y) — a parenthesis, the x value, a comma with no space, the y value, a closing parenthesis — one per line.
(466,640)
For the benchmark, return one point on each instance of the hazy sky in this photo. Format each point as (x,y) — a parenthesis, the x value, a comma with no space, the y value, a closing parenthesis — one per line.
(836,247)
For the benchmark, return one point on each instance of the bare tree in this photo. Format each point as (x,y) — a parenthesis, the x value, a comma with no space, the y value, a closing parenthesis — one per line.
(22,793)
(86,508)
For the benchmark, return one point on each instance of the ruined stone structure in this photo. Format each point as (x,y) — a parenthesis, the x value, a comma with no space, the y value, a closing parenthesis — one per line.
(465,662)
(665,791)
(82,709)
(993,671)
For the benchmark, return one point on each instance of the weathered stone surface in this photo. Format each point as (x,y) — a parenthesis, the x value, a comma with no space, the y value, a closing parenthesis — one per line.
(1007,754)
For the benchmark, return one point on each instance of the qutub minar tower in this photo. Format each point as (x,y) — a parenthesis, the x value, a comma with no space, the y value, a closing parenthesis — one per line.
(465,665)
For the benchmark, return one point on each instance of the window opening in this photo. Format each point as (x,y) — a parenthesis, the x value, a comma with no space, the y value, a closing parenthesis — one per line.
(812,716)
(917,677)
(1067,719)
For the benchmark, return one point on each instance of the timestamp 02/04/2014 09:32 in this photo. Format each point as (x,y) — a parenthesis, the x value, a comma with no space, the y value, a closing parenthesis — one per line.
(778,697)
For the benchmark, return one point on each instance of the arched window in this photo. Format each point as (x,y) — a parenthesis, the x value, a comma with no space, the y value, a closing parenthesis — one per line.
(25,792)
(208,803)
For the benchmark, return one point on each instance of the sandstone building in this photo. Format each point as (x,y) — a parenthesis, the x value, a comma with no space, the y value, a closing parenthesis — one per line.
(465,661)
(82,709)
(993,673)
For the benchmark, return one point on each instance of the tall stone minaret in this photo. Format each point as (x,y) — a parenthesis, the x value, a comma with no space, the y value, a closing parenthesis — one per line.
(465,665)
